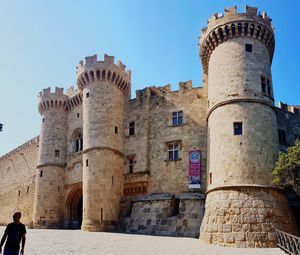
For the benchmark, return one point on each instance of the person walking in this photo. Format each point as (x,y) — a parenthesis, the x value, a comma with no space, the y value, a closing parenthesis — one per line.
(13,235)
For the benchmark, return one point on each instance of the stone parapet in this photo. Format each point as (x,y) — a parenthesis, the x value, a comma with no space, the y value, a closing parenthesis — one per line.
(93,70)
(223,27)
(74,101)
(34,140)
(50,99)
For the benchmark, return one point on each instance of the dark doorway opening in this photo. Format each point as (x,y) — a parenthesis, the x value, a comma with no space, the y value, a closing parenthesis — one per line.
(79,212)
(74,207)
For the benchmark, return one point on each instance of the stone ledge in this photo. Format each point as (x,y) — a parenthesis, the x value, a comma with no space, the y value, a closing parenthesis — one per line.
(154,197)
(237,186)
(195,196)
(239,100)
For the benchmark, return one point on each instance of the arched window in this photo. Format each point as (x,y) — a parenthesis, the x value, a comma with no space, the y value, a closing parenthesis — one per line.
(77,141)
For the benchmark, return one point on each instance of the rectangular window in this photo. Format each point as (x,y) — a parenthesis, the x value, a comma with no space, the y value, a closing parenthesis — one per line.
(116,130)
(282,137)
(248,47)
(131,165)
(131,128)
(266,85)
(177,118)
(41,173)
(27,190)
(238,128)
(269,87)
(210,178)
(263,84)
(56,153)
(86,162)
(78,115)
(87,94)
(173,153)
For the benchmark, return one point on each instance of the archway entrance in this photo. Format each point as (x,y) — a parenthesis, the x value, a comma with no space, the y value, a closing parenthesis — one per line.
(74,207)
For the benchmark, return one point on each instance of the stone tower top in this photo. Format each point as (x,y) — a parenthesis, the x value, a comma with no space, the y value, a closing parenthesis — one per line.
(93,70)
(222,27)
(50,99)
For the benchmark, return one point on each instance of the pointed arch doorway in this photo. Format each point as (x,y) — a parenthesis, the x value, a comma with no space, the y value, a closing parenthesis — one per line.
(73,208)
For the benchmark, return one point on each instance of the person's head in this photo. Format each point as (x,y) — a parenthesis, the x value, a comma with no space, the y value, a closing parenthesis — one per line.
(17,217)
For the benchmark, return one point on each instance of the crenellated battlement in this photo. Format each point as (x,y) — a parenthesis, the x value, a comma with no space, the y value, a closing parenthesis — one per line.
(74,101)
(50,99)
(251,13)
(92,70)
(289,108)
(231,24)
(161,91)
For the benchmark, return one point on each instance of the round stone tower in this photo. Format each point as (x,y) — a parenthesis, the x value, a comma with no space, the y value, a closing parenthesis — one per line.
(48,209)
(105,87)
(243,208)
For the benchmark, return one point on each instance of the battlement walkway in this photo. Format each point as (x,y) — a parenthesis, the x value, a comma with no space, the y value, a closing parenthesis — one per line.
(44,242)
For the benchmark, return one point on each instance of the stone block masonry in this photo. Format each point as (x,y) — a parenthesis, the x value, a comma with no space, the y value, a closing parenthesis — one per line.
(17,182)
(165,214)
(236,52)
(105,161)
(245,217)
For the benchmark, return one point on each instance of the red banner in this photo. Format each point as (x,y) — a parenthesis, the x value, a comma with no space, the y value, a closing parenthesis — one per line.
(194,168)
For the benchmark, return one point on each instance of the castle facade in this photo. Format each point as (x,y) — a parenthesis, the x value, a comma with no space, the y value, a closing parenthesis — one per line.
(106,162)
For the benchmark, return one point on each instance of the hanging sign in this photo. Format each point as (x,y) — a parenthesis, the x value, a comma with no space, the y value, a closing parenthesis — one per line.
(194,168)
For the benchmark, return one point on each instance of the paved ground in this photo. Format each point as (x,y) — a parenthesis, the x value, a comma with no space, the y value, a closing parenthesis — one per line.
(46,242)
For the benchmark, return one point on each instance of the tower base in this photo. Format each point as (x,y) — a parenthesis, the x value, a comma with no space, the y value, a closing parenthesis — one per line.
(97,226)
(91,225)
(246,216)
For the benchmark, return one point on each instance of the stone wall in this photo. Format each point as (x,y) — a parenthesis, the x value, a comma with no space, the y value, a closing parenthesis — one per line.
(288,120)
(246,217)
(248,158)
(152,112)
(164,214)
(17,182)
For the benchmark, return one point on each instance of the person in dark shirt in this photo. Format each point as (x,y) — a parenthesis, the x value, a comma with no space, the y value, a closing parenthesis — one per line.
(13,234)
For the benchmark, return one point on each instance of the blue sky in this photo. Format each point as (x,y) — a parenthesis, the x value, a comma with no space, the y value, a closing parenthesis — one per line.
(42,42)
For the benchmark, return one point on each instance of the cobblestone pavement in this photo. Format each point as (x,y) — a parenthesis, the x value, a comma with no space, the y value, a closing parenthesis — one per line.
(46,242)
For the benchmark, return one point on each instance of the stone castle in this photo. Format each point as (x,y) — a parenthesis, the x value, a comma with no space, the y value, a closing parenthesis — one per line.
(106,162)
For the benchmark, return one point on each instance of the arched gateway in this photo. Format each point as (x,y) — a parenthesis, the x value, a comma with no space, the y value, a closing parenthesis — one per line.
(73,207)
